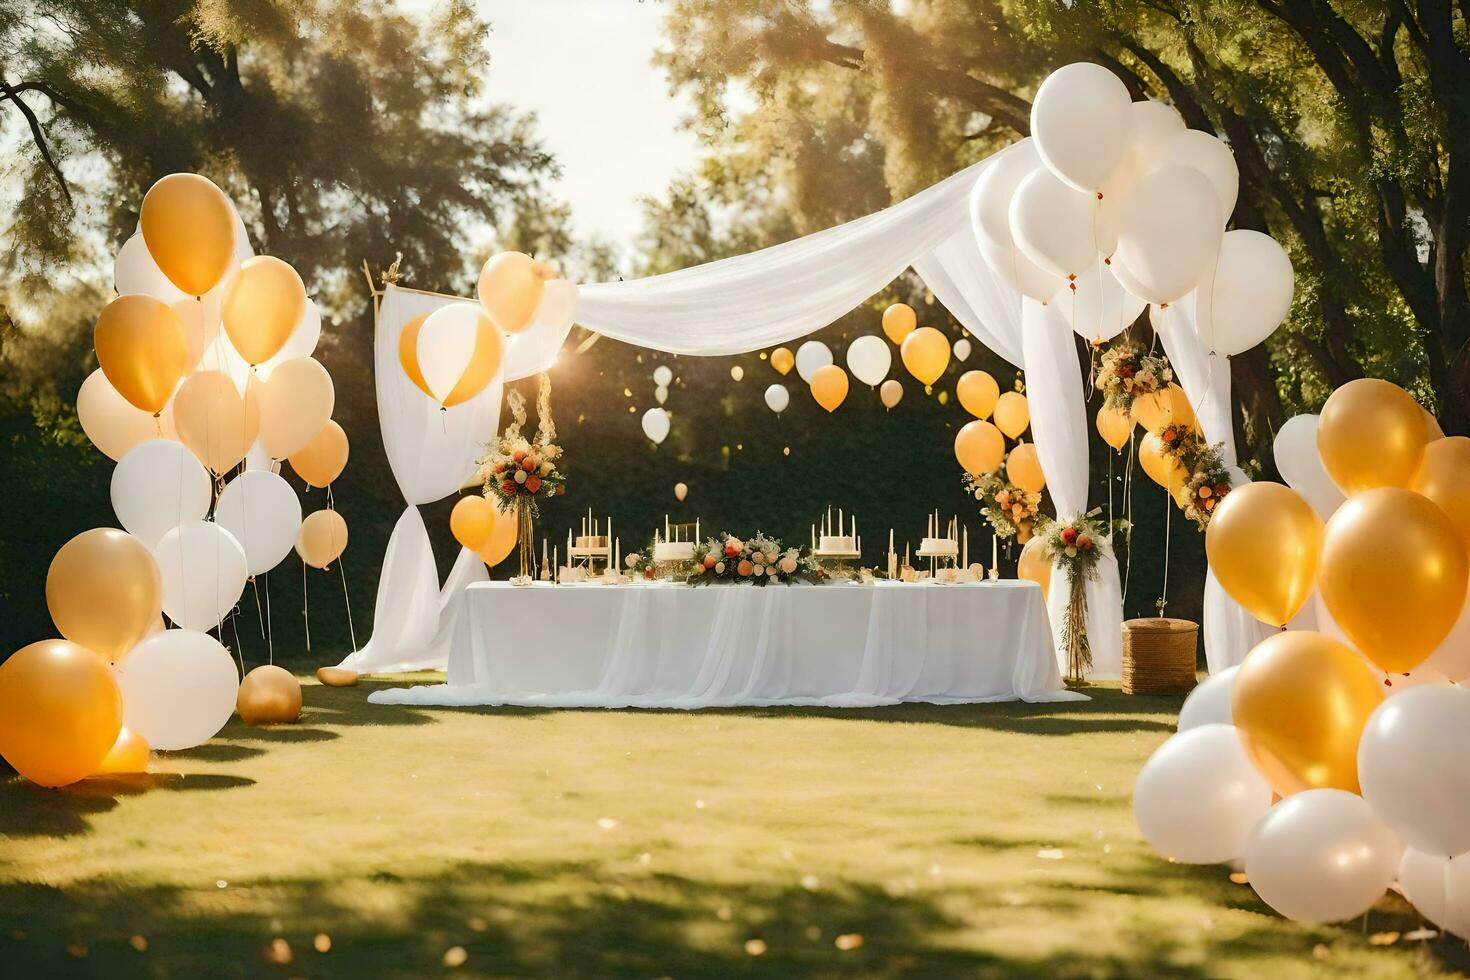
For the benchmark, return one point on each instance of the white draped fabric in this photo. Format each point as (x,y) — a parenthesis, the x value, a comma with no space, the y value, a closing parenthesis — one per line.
(1229,631)
(669,646)
(432,453)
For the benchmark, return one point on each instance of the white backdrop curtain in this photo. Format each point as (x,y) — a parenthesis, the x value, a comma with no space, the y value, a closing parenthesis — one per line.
(1229,631)
(734,305)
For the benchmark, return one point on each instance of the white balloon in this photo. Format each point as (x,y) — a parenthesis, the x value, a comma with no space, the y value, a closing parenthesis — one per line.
(681,490)
(178,688)
(134,271)
(1169,235)
(1300,465)
(156,487)
(812,355)
(777,398)
(1150,125)
(1452,657)
(1211,157)
(1099,308)
(446,345)
(661,394)
(1250,294)
(869,358)
(1080,122)
(662,375)
(256,458)
(302,343)
(656,425)
(961,349)
(114,424)
(1053,224)
(1321,855)
(558,307)
(1422,880)
(990,217)
(221,356)
(1209,704)
(1415,770)
(1198,796)
(737,373)
(204,573)
(263,513)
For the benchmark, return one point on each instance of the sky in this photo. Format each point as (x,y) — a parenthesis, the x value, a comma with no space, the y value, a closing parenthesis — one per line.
(585,68)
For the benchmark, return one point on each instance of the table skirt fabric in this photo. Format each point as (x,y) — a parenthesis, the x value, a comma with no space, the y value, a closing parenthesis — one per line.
(672,646)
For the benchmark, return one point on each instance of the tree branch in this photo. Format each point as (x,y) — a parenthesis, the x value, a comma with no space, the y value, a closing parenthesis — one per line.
(38,135)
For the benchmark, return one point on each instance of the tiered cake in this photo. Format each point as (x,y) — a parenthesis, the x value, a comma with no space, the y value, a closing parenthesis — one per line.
(837,538)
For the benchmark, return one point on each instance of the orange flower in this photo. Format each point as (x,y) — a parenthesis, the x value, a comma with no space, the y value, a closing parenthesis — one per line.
(745,567)
(533,483)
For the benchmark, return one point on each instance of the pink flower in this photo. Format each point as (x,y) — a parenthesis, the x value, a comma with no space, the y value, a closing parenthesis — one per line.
(788,564)
(745,567)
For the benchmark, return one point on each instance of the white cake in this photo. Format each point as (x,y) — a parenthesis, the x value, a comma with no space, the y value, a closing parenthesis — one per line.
(673,551)
(939,547)
(837,544)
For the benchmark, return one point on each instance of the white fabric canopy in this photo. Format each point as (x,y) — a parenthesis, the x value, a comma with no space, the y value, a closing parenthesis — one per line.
(672,646)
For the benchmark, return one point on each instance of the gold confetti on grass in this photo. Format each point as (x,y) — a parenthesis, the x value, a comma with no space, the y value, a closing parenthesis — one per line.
(140,943)
(755,947)
(1051,854)
(279,951)
(455,956)
(848,941)
(1383,939)
(1321,951)
(322,943)
(1239,878)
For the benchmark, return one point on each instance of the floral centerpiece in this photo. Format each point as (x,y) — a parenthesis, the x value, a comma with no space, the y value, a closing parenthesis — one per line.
(1209,478)
(1011,511)
(519,472)
(759,560)
(1075,546)
(1128,372)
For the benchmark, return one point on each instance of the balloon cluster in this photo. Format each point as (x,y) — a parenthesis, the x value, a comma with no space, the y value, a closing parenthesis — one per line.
(980,445)
(205,385)
(1351,715)
(1113,204)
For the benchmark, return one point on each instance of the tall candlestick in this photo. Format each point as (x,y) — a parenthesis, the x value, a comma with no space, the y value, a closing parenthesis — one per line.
(544,551)
(854,525)
(965,559)
(906,554)
(696,527)
(839,520)
(555,562)
(609,527)
(890,540)
(814,537)
(569,544)
(666,527)
(994,552)
(618,555)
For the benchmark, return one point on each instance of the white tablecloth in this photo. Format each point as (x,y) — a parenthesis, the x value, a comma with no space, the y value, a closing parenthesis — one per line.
(671,646)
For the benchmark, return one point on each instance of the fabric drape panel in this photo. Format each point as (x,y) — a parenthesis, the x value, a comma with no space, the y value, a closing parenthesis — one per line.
(1229,631)
(988,308)
(432,453)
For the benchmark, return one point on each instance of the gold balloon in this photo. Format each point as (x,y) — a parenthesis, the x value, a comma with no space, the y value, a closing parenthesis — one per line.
(829,386)
(472,521)
(1444,477)
(200,320)
(1394,571)
(898,322)
(502,538)
(510,289)
(1023,468)
(296,403)
(269,695)
(129,754)
(890,393)
(1263,543)
(60,712)
(1161,409)
(681,490)
(783,360)
(104,591)
(978,393)
(142,350)
(1035,566)
(337,676)
(323,459)
(1114,426)
(112,423)
(484,362)
(925,353)
(1431,426)
(1160,466)
(1371,434)
(408,353)
(979,447)
(1012,414)
(263,304)
(189,228)
(214,421)
(322,538)
(1300,702)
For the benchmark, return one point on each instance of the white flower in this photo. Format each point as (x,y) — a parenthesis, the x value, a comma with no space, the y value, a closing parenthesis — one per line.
(520,476)
(1071,551)
(760,569)
(720,567)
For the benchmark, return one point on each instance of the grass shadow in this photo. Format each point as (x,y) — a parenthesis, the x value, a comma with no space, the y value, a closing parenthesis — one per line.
(28,810)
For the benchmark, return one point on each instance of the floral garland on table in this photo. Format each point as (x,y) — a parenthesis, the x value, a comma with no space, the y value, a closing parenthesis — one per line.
(1075,546)
(726,559)
(1128,372)
(1209,478)
(1011,511)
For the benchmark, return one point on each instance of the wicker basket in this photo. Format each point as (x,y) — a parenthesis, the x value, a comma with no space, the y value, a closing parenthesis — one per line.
(1158,656)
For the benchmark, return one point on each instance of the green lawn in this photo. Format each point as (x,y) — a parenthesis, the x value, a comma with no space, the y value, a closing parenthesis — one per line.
(987,840)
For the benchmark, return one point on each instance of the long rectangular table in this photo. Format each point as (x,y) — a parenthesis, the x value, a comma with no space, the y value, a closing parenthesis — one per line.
(661,645)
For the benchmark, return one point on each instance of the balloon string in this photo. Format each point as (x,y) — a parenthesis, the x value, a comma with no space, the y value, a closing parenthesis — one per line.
(1168,523)
(305,610)
(259,616)
(239,647)
(270,634)
(1128,509)
(347,601)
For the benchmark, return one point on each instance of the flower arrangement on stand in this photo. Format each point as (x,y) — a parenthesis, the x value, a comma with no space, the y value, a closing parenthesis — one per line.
(519,472)
(1010,510)
(1075,546)
(757,560)
(1128,372)
(1209,478)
